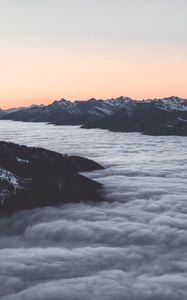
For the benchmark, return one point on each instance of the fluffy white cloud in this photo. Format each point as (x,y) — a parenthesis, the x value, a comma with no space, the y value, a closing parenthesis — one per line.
(132,247)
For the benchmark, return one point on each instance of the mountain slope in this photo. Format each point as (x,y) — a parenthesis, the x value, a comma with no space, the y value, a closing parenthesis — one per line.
(34,177)
(6,112)
(156,117)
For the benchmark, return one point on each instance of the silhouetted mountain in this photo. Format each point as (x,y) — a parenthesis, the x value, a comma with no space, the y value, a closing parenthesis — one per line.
(2,113)
(34,177)
(6,112)
(65,112)
(155,117)
(166,116)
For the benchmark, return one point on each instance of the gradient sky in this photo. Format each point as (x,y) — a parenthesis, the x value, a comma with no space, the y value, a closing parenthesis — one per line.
(78,49)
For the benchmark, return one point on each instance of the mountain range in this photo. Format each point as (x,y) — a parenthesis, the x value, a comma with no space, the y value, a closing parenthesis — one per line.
(167,116)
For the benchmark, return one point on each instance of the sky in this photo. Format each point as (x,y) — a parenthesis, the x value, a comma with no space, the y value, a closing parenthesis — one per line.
(79,49)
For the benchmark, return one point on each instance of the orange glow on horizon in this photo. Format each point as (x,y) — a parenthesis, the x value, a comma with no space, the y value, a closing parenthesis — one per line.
(39,76)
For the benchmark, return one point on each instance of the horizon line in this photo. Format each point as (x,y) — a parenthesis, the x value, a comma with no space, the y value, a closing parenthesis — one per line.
(87,99)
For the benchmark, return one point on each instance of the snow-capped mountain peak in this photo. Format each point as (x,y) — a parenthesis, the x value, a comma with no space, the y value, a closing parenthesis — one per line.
(173,103)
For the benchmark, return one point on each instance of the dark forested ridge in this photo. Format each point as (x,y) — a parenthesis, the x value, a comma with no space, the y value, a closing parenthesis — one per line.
(35,177)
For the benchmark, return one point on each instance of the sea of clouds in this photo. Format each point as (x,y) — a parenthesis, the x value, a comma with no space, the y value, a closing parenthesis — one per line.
(131,247)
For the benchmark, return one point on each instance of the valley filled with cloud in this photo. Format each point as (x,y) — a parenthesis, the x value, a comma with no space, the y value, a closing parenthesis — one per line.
(132,246)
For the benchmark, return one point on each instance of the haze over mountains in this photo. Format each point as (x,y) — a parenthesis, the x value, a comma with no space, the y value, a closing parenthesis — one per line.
(167,116)
(4,112)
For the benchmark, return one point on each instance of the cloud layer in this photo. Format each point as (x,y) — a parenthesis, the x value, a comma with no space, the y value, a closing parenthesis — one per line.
(132,246)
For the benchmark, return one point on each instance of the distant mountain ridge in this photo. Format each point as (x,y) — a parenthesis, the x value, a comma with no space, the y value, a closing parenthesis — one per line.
(165,116)
(160,117)
(4,112)
(67,112)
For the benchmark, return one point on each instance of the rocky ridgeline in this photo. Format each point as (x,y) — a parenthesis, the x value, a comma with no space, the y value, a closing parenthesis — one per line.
(167,116)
